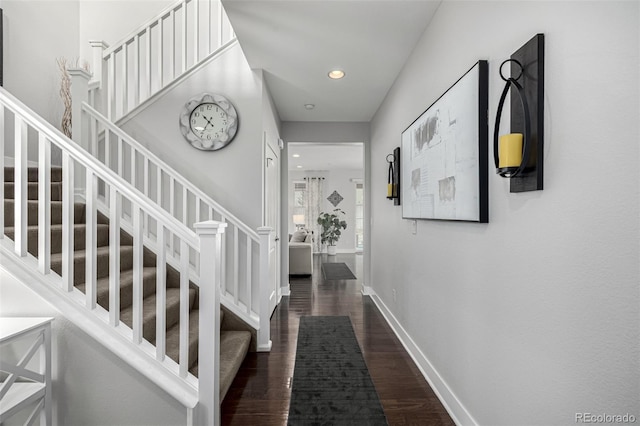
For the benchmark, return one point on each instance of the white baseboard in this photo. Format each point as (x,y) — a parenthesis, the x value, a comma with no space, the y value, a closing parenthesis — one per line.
(449,400)
(285,290)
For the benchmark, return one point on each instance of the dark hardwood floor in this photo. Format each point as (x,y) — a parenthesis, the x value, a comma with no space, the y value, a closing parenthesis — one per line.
(260,393)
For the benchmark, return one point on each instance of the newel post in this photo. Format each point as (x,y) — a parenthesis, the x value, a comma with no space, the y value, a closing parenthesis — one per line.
(207,412)
(79,94)
(264,333)
(97,52)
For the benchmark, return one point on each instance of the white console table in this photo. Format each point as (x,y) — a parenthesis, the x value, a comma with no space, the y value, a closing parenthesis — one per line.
(23,386)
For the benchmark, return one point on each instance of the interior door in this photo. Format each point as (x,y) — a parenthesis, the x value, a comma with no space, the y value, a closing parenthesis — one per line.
(272,218)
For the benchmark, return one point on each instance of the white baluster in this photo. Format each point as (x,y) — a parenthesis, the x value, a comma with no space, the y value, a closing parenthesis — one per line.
(68,179)
(220,32)
(91,240)
(148,61)
(107,148)
(198,206)
(136,70)
(172,46)
(161,294)
(185,205)
(208,408)
(44,204)
(184,309)
(111,89)
(20,186)
(209,21)
(133,166)
(236,265)
(115,213)
(160,65)
(184,38)
(223,256)
(138,259)
(264,335)
(120,155)
(196,31)
(249,266)
(159,186)
(125,79)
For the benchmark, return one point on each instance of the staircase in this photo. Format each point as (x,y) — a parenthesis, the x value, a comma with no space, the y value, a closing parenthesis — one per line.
(122,244)
(234,344)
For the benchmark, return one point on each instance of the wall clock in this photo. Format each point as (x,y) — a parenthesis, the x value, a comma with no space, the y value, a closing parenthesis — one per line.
(209,121)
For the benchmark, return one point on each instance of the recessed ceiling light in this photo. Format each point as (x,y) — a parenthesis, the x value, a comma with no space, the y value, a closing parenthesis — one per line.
(309,106)
(336,74)
(296,155)
(299,167)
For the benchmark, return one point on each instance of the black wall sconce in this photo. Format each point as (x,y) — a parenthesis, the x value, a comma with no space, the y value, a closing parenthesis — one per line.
(393,178)
(519,155)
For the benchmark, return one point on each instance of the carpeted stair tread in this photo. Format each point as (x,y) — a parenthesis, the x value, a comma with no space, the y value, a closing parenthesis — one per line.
(149,312)
(32,212)
(173,340)
(102,256)
(79,237)
(234,346)
(32,174)
(126,287)
(32,191)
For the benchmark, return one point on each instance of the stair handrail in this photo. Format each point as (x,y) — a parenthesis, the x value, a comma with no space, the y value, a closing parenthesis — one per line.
(192,42)
(202,402)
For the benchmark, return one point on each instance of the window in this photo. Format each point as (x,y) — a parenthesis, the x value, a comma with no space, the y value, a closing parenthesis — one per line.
(359,225)
(299,202)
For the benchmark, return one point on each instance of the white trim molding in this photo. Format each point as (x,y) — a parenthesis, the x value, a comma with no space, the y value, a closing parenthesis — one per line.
(459,414)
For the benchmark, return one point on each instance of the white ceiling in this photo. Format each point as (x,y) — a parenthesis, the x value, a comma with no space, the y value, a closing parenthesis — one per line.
(325,156)
(297,42)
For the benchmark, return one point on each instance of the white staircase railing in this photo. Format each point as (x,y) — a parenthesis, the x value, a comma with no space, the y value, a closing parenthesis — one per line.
(155,54)
(244,283)
(85,174)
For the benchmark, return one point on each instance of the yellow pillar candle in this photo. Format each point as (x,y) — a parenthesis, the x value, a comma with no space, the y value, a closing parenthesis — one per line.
(510,150)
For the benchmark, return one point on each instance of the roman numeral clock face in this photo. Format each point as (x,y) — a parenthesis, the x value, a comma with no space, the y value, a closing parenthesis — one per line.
(209,122)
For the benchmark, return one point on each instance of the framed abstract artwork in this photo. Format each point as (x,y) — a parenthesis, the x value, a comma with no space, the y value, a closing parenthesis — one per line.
(445,154)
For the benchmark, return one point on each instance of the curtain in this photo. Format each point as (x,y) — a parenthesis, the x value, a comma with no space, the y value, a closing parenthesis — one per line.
(313,209)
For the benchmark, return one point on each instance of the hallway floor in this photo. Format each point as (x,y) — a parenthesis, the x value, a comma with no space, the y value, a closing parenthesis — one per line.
(260,393)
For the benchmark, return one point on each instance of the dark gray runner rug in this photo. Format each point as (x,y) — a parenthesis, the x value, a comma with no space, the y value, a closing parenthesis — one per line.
(337,271)
(331,382)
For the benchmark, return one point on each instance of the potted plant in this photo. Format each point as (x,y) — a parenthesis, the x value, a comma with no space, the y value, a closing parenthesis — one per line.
(331,229)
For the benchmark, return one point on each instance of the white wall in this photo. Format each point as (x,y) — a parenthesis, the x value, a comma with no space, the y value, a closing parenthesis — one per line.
(91,386)
(533,317)
(36,34)
(233,175)
(112,20)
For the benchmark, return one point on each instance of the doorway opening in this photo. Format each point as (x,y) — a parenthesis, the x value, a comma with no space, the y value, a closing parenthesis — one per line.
(327,178)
